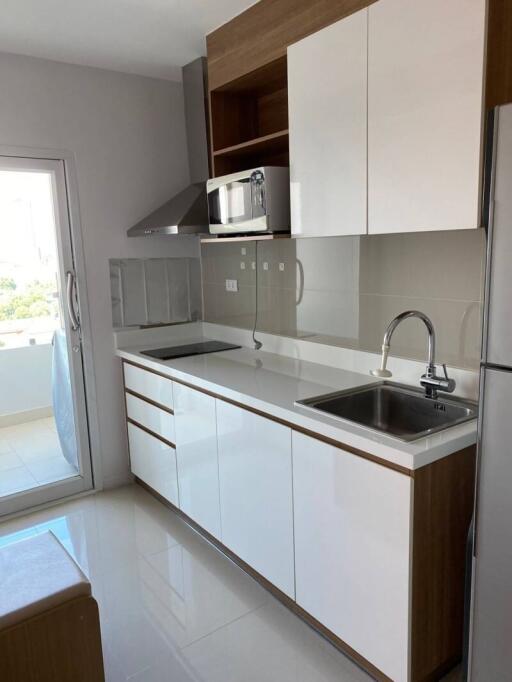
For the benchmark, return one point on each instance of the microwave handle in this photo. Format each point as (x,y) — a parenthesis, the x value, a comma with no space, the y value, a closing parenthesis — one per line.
(258,190)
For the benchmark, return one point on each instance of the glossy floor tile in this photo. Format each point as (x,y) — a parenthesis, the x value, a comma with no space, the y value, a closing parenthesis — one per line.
(172,608)
(30,455)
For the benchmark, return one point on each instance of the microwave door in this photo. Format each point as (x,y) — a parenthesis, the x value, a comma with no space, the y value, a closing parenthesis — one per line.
(231,203)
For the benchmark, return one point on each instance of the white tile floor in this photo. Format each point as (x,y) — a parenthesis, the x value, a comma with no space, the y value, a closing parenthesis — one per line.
(172,608)
(30,455)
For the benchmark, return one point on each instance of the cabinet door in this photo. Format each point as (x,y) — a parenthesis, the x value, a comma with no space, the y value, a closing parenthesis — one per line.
(154,462)
(255,471)
(425,110)
(352,525)
(327,103)
(196,454)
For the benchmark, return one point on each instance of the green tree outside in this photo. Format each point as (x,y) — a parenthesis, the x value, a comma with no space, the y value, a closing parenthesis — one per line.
(7,283)
(36,301)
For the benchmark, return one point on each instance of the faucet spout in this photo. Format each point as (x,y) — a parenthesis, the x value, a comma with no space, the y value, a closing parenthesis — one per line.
(430,381)
(428,324)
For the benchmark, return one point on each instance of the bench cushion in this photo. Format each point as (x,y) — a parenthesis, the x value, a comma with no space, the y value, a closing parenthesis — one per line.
(37,574)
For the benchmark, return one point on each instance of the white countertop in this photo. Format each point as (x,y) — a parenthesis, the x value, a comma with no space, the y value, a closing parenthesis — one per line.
(272,383)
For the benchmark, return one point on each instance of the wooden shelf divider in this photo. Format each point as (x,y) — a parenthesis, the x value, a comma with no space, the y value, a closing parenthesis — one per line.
(244,238)
(266,143)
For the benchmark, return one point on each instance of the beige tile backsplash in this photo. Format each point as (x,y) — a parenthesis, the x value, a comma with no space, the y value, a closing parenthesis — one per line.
(345,290)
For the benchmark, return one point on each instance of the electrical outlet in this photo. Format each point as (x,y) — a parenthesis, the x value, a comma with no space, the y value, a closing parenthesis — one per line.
(281,267)
(242,265)
(232,285)
(265,266)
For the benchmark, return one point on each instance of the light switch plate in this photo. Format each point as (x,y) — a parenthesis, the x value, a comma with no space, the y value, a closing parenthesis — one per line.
(232,285)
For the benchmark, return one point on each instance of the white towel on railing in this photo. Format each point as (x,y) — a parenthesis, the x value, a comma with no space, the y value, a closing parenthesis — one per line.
(62,398)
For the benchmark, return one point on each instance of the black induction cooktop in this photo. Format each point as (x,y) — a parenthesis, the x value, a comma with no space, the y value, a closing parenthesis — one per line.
(190,349)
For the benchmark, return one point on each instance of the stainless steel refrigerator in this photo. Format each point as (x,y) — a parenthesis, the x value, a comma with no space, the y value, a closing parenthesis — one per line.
(490,656)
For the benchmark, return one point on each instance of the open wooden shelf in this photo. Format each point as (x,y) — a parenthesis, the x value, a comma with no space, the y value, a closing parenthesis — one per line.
(245,238)
(266,144)
(249,120)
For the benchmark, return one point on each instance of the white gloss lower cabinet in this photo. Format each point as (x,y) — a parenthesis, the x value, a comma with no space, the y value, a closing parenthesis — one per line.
(255,472)
(154,462)
(196,454)
(352,550)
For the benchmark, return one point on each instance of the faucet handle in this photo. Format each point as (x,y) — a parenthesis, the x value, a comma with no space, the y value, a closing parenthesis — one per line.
(445,372)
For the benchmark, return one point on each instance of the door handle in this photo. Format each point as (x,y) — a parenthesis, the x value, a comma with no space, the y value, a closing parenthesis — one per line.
(73,315)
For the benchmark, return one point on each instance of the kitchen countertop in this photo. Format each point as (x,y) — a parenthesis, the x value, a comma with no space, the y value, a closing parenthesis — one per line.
(271,383)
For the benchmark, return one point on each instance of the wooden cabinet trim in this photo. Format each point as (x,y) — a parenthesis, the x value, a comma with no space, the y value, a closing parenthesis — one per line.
(262,33)
(149,401)
(313,434)
(442,511)
(131,421)
(266,29)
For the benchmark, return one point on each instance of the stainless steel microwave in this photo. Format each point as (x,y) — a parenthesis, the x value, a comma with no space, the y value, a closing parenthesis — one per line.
(257,200)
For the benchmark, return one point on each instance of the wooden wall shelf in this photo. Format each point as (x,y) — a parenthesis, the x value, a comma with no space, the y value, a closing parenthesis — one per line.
(249,120)
(274,142)
(245,238)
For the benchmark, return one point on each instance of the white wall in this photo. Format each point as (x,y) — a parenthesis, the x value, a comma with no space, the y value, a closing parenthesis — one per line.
(128,137)
(26,378)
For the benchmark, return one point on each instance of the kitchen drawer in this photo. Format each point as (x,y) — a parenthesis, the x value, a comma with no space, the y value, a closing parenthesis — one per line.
(154,462)
(153,418)
(149,385)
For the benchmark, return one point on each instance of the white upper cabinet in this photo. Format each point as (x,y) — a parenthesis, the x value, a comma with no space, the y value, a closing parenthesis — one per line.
(196,455)
(352,550)
(425,111)
(327,101)
(255,470)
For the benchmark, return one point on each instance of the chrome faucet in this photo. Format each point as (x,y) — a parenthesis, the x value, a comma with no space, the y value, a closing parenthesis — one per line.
(430,381)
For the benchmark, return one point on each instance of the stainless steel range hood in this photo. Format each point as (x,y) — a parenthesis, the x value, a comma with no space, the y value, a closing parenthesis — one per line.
(187,211)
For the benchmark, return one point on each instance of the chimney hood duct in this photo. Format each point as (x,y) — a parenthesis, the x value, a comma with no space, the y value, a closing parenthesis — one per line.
(187,211)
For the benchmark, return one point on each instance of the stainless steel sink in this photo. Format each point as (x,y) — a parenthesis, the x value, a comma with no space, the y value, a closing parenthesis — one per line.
(396,410)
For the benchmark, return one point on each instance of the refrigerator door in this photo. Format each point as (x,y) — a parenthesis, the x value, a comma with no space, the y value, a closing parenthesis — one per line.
(497,348)
(491,650)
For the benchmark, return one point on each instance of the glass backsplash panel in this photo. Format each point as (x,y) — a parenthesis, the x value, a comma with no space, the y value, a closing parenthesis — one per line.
(345,290)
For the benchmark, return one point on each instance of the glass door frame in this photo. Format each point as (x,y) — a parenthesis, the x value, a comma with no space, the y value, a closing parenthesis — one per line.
(60,166)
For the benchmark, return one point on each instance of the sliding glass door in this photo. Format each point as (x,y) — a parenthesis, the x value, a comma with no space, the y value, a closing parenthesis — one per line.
(44,436)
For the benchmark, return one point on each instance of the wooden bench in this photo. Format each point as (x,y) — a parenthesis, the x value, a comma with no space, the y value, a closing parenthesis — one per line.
(49,621)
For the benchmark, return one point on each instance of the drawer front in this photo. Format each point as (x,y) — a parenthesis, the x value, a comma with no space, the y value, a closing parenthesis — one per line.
(149,385)
(153,418)
(154,462)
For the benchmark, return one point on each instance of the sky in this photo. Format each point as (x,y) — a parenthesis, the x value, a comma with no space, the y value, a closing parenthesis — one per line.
(27,226)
